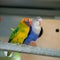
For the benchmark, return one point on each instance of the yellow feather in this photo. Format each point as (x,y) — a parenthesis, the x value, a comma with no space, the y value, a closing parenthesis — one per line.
(20,36)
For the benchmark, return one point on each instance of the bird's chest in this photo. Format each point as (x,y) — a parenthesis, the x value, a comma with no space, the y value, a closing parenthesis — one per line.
(21,35)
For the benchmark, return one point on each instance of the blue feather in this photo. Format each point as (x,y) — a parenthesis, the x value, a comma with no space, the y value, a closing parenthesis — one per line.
(32,36)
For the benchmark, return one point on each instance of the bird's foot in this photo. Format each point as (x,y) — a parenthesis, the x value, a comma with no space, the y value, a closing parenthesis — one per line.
(33,43)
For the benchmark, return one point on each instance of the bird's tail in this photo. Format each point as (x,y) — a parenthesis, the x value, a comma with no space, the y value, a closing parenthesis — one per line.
(8,53)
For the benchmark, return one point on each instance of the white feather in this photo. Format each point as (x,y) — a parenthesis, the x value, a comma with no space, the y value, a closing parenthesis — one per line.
(36,25)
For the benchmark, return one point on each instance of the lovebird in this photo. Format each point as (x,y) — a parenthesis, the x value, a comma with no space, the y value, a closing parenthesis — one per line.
(35,31)
(20,33)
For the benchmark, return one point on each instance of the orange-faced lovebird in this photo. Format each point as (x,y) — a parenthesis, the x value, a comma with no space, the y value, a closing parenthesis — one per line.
(20,33)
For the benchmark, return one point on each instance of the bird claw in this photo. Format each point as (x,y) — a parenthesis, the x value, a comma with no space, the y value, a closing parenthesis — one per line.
(33,43)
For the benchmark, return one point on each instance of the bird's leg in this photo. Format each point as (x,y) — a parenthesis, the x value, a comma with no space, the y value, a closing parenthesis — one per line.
(18,42)
(33,43)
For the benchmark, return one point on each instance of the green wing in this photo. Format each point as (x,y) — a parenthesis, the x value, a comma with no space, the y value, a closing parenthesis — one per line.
(13,34)
(22,28)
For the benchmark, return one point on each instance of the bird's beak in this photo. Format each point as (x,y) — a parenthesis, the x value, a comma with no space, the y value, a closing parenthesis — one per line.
(39,22)
(30,21)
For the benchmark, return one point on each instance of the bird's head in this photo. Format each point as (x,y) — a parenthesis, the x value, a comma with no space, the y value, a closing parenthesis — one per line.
(36,25)
(37,21)
(27,21)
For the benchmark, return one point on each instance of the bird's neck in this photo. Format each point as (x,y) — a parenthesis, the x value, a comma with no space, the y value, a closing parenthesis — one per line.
(36,29)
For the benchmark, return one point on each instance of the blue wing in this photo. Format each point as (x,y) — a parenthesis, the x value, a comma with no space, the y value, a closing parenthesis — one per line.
(31,37)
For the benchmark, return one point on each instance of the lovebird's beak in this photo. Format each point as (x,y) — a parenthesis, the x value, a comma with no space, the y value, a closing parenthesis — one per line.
(39,22)
(30,21)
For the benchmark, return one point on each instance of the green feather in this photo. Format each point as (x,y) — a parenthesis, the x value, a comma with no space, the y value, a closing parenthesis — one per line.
(13,34)
(21,28)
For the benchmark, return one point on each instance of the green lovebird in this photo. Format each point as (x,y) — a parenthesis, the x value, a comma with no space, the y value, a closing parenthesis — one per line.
(20,33)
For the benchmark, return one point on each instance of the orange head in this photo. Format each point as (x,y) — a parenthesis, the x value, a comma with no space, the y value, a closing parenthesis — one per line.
(27,21)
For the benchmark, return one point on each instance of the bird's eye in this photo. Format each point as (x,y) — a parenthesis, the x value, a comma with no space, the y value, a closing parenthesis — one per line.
(26,20)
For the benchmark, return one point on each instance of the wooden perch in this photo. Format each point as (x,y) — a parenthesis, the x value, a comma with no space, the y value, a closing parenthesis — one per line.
(29,49)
